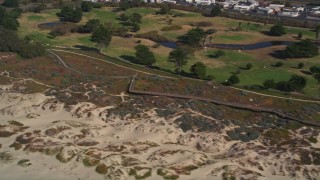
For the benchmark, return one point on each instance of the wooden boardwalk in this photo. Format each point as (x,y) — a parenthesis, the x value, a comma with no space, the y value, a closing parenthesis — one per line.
(228,104)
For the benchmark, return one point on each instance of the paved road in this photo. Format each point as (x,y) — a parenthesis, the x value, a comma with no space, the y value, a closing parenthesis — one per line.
(261,94)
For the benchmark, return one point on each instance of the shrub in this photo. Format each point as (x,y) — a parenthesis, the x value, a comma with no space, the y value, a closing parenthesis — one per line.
(269,84)
(277,30)
(211,31)
(248,66)
(300,65)
(233,79)
(152,35)
(199,70)
(278,64)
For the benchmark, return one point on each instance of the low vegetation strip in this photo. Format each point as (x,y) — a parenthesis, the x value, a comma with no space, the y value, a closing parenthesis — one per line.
(232,105)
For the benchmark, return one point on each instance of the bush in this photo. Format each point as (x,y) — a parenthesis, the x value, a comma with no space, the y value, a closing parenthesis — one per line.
(278,64)
(277,30)
(300,65)
(57,32)
(152,35)
(211,31)
(269,84)
(248,66)
(199,70)
(233,79)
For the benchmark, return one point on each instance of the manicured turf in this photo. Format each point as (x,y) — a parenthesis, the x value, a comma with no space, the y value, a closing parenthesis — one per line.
(35,18)
(221,68)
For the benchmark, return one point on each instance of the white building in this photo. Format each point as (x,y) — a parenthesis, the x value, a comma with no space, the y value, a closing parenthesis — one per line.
(202,2)
(289,12)
(274,6)
(266,10)
(244,6)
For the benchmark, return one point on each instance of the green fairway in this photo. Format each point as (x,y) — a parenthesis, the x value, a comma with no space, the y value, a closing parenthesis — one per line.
(35,18)
(228,32)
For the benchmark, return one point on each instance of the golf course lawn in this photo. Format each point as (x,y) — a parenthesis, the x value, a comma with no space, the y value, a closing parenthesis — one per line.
(233,62)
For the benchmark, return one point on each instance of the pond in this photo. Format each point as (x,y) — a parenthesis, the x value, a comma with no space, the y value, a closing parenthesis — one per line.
(169,44)
(251,46)
(50,25)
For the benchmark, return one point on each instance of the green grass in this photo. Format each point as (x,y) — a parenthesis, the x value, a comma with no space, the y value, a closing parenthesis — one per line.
(142,11)
(35,18)
(305,32)
(234,38)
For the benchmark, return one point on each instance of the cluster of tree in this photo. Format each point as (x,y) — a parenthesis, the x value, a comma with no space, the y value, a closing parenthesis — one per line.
(295,83)
(86,6)
(302,49)
(70,14)
(11,3)
(164,9)
(90,26)
(9,19)
(126,4)
(133,20)
(179,57)
(277,30)
(195,36)
(216,10)
(10,42)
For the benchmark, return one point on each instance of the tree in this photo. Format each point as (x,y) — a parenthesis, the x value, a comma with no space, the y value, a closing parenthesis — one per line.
(269,84)
(233,79)
(300,35)
(199,70)
(86,6)
(194,36)
(70,15)
(277,30)
(315,69)
(215,11)
(9,23)
(10,42)
(135,18)
(300,65)
(164,9)
(90,26)
(11,3)
(124,5)
(179,57)
(135,27)
(303,49)
(317,77)
(144,55)
(317,34)
(102,35)
(297,83)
